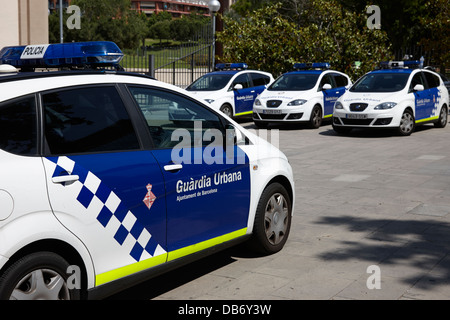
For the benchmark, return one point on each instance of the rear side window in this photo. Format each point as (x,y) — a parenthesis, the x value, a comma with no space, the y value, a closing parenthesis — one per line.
(85,120)
(341,81)
(433,81)
(259,79)
(18,126)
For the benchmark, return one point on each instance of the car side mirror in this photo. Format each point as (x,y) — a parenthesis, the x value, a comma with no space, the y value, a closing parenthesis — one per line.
(418,87)
(326,86)
(238,87)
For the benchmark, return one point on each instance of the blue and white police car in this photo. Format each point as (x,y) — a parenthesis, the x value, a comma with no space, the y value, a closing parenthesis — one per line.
(232,88)
(399,95)
(305,95)
(109,178)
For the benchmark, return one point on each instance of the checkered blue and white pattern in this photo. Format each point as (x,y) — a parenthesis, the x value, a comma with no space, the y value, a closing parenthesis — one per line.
(110,211)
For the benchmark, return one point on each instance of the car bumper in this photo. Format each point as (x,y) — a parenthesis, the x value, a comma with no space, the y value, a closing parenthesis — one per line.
(366,120)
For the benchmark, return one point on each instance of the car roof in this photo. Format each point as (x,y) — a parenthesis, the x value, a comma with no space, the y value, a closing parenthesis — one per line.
(393,71)
(21,84)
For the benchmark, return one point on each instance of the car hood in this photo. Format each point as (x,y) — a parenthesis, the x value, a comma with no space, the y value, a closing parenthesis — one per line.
(285,95)
(369,97)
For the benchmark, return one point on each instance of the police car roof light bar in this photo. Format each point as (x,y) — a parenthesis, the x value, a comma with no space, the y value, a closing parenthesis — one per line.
(411,64)
(92,54)
(231,66)
(316,65)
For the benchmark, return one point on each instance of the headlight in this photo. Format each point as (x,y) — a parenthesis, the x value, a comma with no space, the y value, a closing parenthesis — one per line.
(209,100)
(338,105)
(257,102)
(385,105)
(297,102)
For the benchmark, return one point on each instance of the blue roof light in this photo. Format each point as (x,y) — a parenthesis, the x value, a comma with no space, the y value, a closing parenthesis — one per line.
(63,55)
(317,65)
(411,64)
(231,66)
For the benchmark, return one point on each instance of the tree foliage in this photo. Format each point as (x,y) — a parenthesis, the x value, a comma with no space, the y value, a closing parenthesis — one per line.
(268,40)
(103,20)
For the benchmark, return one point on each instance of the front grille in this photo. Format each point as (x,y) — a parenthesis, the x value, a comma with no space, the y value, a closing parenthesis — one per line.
(358,107)
(273,103)
(357,122)
(272,116)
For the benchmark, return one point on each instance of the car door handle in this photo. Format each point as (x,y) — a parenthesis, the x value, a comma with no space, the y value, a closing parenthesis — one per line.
(65,179)
(173,167)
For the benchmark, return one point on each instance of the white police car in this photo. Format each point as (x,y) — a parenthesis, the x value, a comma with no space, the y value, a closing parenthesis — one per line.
(305,95)
(399,95)
(231,89)
(109,178)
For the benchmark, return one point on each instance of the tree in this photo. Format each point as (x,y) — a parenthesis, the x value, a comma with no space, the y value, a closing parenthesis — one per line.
(269,40)
(437,27)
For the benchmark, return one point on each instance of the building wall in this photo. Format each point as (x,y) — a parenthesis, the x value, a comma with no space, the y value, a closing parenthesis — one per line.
(176,8)
(23,22)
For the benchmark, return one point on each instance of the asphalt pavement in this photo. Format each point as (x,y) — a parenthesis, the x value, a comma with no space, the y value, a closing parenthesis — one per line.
(371,221)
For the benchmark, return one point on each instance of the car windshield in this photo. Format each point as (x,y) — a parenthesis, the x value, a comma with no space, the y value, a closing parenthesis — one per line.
(210,82)
(381,82)
(295,82)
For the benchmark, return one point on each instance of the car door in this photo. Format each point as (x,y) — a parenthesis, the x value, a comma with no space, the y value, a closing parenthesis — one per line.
(102,186)
(433,87)
(329,95)
(243,98)
(207,185)
(422,99)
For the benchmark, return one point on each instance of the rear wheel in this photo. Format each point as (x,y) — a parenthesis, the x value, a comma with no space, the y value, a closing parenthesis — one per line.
(442,122)
(272,220)
(38,276)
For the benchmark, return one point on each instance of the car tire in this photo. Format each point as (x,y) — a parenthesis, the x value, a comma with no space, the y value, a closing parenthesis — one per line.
(315,120)
(37,276)
(407,123)
(227,110)
(442,121)
(272,220)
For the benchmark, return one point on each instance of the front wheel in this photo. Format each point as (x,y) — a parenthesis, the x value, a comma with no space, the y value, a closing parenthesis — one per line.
(37,276)
(272,220)
(316,117)
(407,123)
(227,110)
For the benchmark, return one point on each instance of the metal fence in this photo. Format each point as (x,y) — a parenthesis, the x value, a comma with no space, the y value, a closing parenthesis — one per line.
(179,65)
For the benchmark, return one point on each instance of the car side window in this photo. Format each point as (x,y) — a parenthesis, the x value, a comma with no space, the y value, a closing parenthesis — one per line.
(417,79)
(18,126)
(166,112)
(326,79)
(259,79)
(242,79)
(87,119)
(433,81)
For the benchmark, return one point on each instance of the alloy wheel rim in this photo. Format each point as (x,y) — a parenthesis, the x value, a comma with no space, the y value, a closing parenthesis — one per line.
(276,218)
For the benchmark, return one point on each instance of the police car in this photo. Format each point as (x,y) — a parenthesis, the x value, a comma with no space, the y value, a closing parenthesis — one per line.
(306,95)
(109,178)
(231,89)
(399,95)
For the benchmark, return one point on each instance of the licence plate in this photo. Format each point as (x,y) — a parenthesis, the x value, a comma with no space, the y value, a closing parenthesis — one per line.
(272,111)
(356,116)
